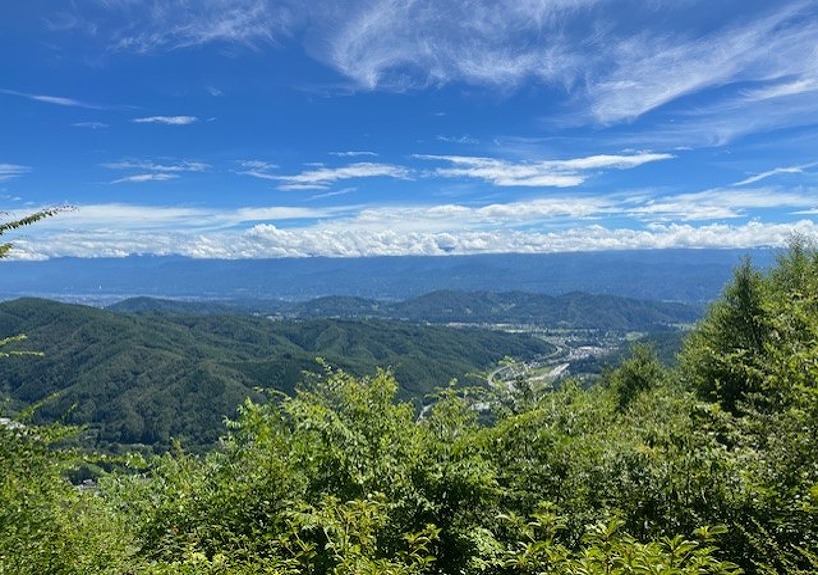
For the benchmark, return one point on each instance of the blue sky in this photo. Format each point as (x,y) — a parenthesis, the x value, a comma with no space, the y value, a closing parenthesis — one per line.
(261,128)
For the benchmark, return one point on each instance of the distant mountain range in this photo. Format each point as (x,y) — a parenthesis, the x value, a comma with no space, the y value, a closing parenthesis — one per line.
(669,275)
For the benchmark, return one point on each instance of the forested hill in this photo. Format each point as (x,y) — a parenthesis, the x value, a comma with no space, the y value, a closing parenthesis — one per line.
(574,310)
(144,378)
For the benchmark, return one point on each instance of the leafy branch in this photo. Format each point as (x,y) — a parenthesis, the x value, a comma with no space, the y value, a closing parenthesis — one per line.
(25,221)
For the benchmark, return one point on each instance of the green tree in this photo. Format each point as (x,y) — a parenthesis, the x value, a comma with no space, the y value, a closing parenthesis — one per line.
(754,356)
(723,359)
(48,525)
(639,372)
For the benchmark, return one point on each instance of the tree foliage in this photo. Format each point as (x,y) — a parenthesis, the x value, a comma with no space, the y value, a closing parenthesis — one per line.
(17,223)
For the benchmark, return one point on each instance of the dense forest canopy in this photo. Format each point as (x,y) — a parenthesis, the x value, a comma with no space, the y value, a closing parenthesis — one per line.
(144,379)
(710,467)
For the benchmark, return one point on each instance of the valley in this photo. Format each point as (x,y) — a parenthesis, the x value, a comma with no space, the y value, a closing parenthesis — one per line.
(144,371)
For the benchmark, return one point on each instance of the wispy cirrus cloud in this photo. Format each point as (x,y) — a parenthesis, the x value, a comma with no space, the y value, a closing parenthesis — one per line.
(502,173)
(458,139)
(717,204)
(548,173)
(610,69)
(610,65)
(322,177)
(260,166)
(183,166)
(153,171)
(774,172)
(55,100)
(653,68)
(407,44)
(133,216)
(353,154)
(90,125)
(10,171)
(185,23)
(787,87)
(341,192)
(167,120)
(728,120)
(142,178)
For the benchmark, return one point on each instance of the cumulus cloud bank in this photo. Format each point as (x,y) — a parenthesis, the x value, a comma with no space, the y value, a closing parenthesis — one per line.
(541,225)
(270,241)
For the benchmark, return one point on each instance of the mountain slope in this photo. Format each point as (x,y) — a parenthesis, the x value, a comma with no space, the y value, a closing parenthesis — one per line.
(574,310)
(145,378)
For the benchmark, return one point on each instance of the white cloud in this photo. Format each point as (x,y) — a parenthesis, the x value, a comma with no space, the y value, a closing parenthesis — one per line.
(352,154)
(90,125)
(177,24)
(720,217)
(717,204)
(613,62)
(726,120)
(501,173)
(127,218)
(242,216)
(772,173)
(183,166)
(141,178)
(776,53)
(618,70)
(322,177)
(55,100)
(547,173)
(539,212)
(619,162)
(9,171)
(167,120)
(267,240)
(458,139)
(400,44)
(257,165)
(643,71)
(270,241)
(341,192)
(152,171)
(783,89)
(130,218)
